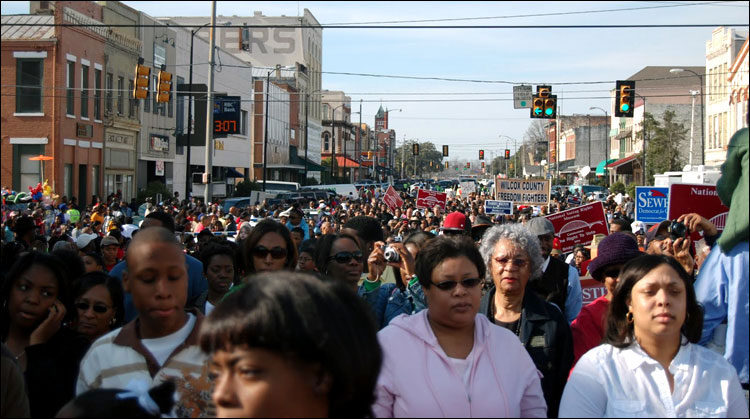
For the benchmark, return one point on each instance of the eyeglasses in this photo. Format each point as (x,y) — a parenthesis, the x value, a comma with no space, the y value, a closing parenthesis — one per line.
(98,308)
(276,252)
(611,273)
(517,262)
(346,257)
(449,285)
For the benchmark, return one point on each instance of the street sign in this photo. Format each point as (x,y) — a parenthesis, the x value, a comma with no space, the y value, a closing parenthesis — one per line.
(522,97)
(651,204)
(428,199)
(579,225)
(498,207)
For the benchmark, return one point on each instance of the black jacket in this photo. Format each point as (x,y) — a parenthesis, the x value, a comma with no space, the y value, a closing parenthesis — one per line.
(547,338)
(552,286)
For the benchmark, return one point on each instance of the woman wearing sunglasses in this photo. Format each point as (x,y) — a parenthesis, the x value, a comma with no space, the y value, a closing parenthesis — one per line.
(514,256)
(99,303)
(269,247)
(448,361)
(339,257)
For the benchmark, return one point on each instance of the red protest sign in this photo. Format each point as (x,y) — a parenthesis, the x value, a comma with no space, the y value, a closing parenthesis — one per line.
(392,199)
(428,199)
(591,289)
(579,225)
(700,199)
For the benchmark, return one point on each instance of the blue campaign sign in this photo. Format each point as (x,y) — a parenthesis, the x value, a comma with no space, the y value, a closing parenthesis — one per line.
(498,207)
(651,204)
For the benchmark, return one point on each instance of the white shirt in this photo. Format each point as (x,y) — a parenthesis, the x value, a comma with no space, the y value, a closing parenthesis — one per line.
(162,347)
(612,382)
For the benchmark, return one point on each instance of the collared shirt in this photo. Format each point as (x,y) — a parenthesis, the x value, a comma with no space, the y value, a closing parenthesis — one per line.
(722,289)
(613,382)
(574,300)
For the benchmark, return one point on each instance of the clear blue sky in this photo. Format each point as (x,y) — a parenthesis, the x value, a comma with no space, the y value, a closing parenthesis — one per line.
(536,56)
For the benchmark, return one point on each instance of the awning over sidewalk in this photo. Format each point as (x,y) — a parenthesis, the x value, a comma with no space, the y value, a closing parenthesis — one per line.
(601,169)
(622,162)
(346,162)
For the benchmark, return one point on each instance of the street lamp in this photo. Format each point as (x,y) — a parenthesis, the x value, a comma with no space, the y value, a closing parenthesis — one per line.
(188,178)
(703,132)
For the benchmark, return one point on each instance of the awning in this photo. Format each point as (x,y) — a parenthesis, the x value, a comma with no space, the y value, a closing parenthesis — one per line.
(621,162)
(345,162)
(231,172)
(601,169)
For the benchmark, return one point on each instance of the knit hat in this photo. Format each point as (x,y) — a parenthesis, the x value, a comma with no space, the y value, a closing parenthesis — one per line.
(615,249)
(540,226)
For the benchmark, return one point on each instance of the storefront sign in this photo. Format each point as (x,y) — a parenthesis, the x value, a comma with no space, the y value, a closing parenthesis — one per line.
(84,130)
(159,168)
(159,143)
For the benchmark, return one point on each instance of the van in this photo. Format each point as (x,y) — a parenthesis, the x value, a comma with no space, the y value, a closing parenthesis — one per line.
(275,186)
(343,189)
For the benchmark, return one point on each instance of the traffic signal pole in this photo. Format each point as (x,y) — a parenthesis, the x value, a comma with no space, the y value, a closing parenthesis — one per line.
(210,107)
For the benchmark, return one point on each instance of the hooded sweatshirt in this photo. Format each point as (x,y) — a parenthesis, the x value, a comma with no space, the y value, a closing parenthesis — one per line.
(417,379)
(732,188)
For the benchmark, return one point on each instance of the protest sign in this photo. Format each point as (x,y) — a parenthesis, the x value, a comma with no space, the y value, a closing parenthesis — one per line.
(651,204)
(468,187)
(579,225)
(498,207)
(428,199)
(700,199)
(591,289)
(392,199)
(523,192)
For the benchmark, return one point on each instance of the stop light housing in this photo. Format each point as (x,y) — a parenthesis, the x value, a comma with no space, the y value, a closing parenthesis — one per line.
(481,154)
(537,107)
(142,81)
(544,103)
(445,151)
(482,165)
(415,149)
(447,165)
(624,98)
(507,154)
(550,107)
(468,165)
(164,87)
(369,155)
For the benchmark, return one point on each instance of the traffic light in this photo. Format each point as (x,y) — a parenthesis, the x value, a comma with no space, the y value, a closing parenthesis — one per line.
(507,154)
(537,107)
(445,151)
(482,165)
(550,107)
(625,98)
(447,165)
(468,165)
(164,87)
(544,104)
(369,155)
(415,149)
(142,79)
(481,154)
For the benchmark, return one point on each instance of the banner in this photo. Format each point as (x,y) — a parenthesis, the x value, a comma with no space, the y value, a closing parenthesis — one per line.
(498,207)
(591,289)
(522,192)
(579,225)
(651,204)
(700,199)
(392,199)
(428,199)
(467,188)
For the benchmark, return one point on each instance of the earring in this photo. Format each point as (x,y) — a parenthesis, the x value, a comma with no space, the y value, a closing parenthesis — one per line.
(112,322)
(629,317)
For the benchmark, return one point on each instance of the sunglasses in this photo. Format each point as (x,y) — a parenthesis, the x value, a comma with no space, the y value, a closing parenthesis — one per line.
(611,273)
(276,252)
(449,285)
(346,257)
(98,308)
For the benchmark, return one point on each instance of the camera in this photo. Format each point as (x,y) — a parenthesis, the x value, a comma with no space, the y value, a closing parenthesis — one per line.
(391,255)
(677,230)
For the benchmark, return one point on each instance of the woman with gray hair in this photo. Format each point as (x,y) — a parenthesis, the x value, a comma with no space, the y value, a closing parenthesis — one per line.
(513,256)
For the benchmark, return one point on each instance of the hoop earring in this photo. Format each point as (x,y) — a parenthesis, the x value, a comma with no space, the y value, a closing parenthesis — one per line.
(629,317)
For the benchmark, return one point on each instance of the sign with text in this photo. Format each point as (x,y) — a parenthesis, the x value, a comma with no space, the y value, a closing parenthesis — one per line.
(651,204)
(591,289)
(498,207)
(227,115)
(428,199)
(468,187)
(523,192)
(522,96)
(579,225)
(392,199)
(700,199)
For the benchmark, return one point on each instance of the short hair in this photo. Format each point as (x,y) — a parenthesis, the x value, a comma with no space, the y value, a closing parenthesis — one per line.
(436,251)
(167,221)
(96,256)
(521,237)
(261,229)
(619,332)
(151,235)
(419,238)
(214,249)
(307,321)
(103,402)
(624,224)
(25,262)
(113,286)
(325,244)
(367,228)
(73,262)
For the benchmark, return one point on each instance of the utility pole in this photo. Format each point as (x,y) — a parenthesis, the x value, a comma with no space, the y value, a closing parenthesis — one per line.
(307,107)
(359,136)
(415,166)
(210,107)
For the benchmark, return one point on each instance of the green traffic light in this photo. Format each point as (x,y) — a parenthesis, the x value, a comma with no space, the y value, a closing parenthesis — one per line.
(548,111)
(538,111)
(625,107)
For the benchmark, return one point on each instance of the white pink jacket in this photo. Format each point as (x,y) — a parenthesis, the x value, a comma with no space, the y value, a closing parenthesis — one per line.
(418,380)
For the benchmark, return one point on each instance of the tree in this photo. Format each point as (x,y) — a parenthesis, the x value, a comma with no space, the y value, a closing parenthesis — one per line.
(665,144)
(427,153)
(537,139)
(245,187)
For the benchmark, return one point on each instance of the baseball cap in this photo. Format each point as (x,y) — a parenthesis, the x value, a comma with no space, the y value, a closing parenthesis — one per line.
(109,241)
(84,239)
(655,230)
(455,221)
(540,226)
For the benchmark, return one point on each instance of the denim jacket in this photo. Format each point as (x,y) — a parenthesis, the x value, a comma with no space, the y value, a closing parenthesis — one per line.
(388,301)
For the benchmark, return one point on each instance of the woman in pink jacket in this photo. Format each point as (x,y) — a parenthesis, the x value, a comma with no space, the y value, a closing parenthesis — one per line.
(448,361)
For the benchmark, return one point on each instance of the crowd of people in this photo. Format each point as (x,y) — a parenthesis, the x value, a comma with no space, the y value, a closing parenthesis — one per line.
(343,307)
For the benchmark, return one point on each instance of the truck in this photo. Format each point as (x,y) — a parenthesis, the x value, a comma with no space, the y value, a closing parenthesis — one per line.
(699,175)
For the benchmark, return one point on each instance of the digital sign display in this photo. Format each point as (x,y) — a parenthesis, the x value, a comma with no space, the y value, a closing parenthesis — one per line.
(227,114)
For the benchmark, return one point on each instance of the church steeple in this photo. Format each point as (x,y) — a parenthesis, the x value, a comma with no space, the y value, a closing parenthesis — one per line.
(381,119)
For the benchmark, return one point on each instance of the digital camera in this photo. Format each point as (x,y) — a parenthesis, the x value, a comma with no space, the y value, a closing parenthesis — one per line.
(391,255)
(677,230)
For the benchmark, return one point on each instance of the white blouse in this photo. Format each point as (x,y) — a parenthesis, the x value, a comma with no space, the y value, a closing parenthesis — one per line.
(612,382)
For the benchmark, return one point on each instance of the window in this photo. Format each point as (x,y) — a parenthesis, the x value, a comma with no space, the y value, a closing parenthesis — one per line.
(131,100)
(68,180)
(70,93)
(29,78)
(154,87)
(95,179)
(108,104)
(244,122)
(84,91)
(120,97)
(97,94)
(326,142)
(28,169)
